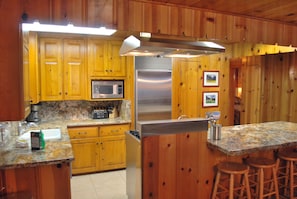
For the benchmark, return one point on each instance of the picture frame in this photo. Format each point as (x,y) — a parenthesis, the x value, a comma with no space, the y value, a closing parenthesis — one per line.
(210,99)
(211,78)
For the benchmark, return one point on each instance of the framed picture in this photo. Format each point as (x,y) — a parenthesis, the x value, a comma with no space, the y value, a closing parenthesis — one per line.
(210,99)
(210,78)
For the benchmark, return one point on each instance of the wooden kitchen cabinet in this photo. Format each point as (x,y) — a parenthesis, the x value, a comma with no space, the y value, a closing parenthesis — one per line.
(112,152)
(86,155)
(85,148)
(62,69)
(98,150)
(113,146)
(104,59)
(11,76)
(101,13)
(34,85)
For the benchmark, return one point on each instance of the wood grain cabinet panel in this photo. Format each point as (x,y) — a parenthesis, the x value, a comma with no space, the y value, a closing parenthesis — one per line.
(34,85)
(69,11)
(112,152)
(112,130)
(85,148)
(104,59)
(83,132)
(11,76)
(98,150)
(86,155)
(100,13)
(37,10)
(74,69)
(62,69)
(51,69)
(43,182)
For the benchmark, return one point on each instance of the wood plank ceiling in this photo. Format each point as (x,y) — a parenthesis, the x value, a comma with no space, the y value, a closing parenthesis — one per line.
(284,11)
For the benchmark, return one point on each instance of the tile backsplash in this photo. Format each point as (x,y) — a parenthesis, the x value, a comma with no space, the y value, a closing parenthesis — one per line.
(79,110)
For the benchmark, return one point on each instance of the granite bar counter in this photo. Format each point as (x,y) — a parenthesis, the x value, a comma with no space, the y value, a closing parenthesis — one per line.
(55,152)
(250,138)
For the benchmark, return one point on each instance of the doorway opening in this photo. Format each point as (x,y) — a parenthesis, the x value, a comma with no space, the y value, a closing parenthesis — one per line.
(235,89)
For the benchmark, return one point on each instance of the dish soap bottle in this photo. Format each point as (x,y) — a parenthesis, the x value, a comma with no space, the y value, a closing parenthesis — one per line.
(37,140)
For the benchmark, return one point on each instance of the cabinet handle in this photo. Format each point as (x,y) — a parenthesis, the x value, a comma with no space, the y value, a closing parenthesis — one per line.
(66,93)
(60,93)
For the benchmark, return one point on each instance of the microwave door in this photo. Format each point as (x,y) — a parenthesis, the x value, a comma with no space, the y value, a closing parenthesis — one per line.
(106,89)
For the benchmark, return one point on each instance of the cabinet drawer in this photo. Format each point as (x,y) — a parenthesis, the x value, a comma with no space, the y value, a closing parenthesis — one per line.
(82,132)
(113,130)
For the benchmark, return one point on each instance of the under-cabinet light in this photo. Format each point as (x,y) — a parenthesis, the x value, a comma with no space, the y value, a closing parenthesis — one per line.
(36,26)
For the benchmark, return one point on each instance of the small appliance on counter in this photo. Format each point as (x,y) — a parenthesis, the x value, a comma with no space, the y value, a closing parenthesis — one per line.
(214,129)
(100,113)
(112,112)
(34,115)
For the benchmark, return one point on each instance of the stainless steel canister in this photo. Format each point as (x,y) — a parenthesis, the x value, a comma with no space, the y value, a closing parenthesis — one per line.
(216,134)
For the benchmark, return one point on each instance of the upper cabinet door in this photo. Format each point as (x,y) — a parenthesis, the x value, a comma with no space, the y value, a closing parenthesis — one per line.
(51,69)
(104,59)
(101,13)
(69,11)
(74,69)
(96,57)
(116,64)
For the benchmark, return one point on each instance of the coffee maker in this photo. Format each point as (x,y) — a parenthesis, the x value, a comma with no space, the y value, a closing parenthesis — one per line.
(34,115)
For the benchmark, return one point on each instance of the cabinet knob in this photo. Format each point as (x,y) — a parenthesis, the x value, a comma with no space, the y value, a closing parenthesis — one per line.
(66,93)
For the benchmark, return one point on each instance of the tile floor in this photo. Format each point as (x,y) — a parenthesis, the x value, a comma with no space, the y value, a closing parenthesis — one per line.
(105,185)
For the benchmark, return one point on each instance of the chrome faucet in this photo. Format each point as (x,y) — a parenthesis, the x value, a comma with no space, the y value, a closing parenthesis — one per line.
(22,127)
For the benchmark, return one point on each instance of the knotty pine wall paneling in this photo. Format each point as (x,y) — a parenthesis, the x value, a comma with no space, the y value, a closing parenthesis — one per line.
(251,85)
(188,86)
(269,85)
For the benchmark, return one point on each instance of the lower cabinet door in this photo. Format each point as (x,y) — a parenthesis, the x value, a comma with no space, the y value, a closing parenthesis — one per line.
(86,155)
(112,152)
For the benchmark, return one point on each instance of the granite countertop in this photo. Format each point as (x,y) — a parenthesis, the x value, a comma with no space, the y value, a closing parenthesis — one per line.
(249,138)
(55,152)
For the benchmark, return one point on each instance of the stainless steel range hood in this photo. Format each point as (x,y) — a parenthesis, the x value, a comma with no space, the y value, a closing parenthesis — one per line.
(133,46)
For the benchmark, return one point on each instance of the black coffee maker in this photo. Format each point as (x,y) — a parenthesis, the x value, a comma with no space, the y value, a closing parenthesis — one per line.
(34,115)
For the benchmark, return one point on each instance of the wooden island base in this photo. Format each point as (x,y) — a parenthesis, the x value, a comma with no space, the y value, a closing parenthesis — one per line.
(182,166)
(42,181)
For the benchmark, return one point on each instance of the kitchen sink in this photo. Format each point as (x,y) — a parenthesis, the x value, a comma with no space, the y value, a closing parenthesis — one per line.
(49,134)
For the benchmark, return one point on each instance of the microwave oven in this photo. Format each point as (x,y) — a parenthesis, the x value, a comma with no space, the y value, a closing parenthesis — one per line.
(109,89)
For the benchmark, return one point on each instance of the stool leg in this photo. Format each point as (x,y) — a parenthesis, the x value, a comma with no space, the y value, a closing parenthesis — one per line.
(247,185)
(275,182)
(231,186)
(291,179)
(261,183)
(287,178)
(215,189)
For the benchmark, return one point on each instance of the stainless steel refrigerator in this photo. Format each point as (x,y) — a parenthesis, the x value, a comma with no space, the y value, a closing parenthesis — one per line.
(153,84)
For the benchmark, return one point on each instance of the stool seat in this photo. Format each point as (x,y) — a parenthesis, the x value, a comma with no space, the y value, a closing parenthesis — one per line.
(288,155)
(265,185)
(231,189)
(232,167)
(261,162)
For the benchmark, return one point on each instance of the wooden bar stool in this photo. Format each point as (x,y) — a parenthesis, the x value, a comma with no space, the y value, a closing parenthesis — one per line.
(228,186)
(263,177)
(287,173)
